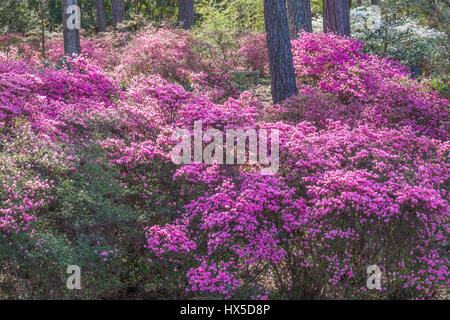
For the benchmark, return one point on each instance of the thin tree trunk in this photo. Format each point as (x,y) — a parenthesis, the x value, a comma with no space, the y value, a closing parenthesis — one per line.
(118,11)
(336,17)
(41,9)
(279,47)
(186,13)
(299,16)
(100,16)
(374,2)
(71,32)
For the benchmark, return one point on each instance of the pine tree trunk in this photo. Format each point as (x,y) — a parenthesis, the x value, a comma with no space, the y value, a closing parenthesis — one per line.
(279,47)
(71,34)
(186,13)
(100,16)
(299,16)
(336,17)
(374,2)
(42,16)
(118,11)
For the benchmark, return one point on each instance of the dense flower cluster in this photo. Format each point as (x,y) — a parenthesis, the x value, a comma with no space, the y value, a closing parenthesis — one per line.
(348,198)
(379,89)
(24,191)
(254,53)
(372,189)
(166,52)
(363,177)
(46,96)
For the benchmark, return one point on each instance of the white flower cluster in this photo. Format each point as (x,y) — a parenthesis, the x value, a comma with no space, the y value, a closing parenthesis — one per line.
(405,39)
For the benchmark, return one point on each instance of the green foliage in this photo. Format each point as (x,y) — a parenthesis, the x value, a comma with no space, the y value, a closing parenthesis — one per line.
(222,22)
(316,7)
(433,13)
(88,216)
(17,16)
(236,16)
(156,11)
(439,84)
(215,31)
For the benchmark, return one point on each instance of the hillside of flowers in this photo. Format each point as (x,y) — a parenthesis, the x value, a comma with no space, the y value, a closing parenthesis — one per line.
(87,179)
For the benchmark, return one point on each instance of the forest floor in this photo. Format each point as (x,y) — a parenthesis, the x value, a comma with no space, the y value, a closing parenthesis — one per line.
(262,92)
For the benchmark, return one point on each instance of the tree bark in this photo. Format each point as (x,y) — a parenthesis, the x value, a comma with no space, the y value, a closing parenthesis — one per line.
(336,17)
(374,2)
(186,13)
(279,47)
(71,34)
(100,16)
(42,16)
(299,16)
(118,11)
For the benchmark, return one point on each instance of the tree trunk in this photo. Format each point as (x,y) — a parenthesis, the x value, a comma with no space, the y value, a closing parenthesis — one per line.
(42,14)
(299,16)
(71,31)
(279,47)
(374,2)
(336,17)
(100,16)
(118,11)
(186,13)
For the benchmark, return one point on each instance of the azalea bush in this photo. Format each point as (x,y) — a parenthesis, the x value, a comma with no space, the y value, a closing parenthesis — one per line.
(338,65)
(346,199)
(166,52)
(374,195)
(254,53)
(87,177)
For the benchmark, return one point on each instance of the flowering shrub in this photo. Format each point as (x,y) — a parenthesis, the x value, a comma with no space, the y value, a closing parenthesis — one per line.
(369,190)
(86,176)
(316,106)
(403,38)
(23,193)
(254,53)
(215,85)
(337,65)
(236,222)
(347,195)
(102,50)
(46,96)
(166,52)
(13,46)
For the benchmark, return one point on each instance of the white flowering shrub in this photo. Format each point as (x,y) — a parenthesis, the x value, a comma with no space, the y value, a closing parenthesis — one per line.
(403,38)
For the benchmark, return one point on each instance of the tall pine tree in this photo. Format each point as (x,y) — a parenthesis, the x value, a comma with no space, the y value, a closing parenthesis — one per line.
(186,13)
(279,46)
(336,17)
(100,16)
(118,11)
(299,16)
